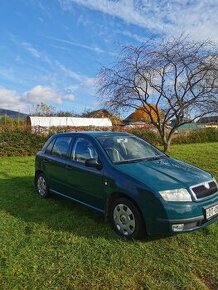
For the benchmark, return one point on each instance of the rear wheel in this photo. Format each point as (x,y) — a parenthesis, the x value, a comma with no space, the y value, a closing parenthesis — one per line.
(126,219)
(41,185)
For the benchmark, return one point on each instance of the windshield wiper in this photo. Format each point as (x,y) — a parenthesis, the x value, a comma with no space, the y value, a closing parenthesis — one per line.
(140,159)
(130,161)
(156,157)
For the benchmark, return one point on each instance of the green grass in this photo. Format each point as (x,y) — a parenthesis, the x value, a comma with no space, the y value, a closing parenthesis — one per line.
(55,244)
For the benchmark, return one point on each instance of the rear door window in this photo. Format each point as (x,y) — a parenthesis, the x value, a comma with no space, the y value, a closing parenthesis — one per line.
(61,146)
(50,146)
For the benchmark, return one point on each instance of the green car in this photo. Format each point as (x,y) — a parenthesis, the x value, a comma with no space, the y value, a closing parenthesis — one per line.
(140,189)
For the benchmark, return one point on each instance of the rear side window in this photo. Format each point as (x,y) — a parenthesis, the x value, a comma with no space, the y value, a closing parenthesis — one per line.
(61,146)
(50,146)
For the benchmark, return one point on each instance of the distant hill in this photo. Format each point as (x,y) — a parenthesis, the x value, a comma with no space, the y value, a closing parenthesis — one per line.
(12,114)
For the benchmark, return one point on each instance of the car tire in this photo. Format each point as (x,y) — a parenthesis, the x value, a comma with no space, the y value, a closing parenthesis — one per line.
(126,219)
(42,185)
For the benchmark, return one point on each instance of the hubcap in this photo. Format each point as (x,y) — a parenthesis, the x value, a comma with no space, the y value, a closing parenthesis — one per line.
(124,219)
(41,185)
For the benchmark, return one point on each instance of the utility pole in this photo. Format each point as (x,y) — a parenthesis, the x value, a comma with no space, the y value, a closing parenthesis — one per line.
(18,118)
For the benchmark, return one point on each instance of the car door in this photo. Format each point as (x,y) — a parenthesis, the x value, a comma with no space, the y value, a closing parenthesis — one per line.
(55,163)
(85,183)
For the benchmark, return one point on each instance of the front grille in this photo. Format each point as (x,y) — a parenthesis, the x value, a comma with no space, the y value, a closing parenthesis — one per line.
(201,191)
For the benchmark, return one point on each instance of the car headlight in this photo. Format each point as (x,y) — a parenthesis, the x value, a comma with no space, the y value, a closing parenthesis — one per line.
(181,194)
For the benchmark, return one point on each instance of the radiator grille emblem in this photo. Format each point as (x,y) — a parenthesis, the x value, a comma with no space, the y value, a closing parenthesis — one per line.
(206,184)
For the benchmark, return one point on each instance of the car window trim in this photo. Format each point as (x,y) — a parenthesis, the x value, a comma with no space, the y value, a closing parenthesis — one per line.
(72,143)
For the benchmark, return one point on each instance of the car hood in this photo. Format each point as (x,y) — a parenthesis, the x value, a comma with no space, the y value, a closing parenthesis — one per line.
(165,173)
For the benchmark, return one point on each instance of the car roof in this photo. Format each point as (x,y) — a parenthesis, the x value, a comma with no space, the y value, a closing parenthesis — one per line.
(94,133)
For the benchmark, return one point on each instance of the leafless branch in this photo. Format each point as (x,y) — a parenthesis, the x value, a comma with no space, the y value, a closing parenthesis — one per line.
(179,76)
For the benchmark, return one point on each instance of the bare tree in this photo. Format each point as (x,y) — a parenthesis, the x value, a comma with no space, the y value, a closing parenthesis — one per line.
(179,76)
(66,114)
(43,109)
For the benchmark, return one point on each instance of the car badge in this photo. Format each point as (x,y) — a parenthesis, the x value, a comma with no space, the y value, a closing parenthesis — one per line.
(206,184)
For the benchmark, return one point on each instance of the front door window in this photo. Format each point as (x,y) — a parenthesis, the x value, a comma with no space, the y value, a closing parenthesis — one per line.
(83,150)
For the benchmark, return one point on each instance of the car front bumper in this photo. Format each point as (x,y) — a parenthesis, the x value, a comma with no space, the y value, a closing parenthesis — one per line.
(185,225)
(179,217)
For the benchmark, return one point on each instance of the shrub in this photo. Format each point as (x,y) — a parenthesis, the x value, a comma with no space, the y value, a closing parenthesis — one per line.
(184,137)
(21,141)
(146,134)
(196,136)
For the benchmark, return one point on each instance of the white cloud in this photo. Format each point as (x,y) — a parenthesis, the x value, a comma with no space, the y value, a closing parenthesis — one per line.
(198,18)
(132,35)
(42,94)
(69,73)
(81,45)
(69,97)
(89,83)
(123,9)
(10,99)
(31,49)
(34,52)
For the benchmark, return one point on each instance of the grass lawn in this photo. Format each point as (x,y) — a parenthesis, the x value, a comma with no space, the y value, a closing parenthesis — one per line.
(56,244)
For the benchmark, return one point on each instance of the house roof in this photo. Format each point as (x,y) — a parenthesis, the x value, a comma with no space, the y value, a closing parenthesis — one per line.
(210,119)
(12,114)
(128,118)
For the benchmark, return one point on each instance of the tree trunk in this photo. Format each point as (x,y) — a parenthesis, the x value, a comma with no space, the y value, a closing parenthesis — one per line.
(167,142)
(166,138)
(166,147)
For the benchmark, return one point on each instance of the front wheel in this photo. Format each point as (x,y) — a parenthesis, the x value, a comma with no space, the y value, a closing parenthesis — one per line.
(126,219)
(41,185)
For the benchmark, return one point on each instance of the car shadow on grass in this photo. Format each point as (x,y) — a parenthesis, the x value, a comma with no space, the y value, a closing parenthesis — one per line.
(19,198)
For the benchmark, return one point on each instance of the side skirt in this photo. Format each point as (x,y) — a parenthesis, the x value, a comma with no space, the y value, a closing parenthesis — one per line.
(78,201)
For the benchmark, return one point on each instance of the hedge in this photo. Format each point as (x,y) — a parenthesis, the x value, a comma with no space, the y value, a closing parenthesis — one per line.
(146,134)
(196,136)
(21,141)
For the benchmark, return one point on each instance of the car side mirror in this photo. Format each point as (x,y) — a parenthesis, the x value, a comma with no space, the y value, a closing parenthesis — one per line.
(92,162)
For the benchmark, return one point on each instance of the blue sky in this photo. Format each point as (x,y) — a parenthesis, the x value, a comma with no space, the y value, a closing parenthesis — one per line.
(51,50)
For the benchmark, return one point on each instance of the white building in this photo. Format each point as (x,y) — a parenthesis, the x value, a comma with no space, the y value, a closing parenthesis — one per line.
(47,122)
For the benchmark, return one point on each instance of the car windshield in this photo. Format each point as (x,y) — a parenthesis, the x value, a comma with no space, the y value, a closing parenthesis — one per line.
(124,149)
